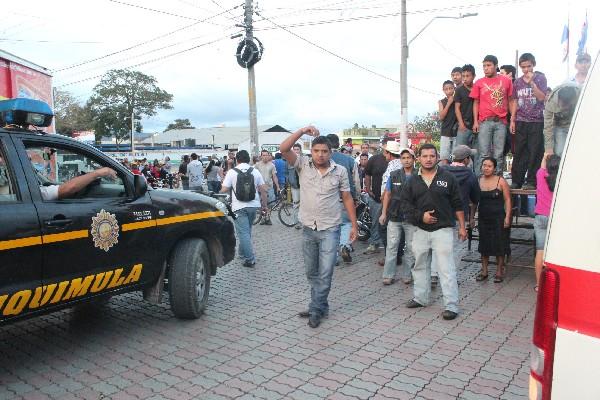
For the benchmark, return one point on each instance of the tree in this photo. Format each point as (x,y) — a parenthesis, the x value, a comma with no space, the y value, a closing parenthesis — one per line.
(69,115)
(180,124)
(122,95)
(429,124)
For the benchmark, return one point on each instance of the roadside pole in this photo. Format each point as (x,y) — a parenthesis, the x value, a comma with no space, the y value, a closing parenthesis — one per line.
(403,79)
(132,133)
(251,84)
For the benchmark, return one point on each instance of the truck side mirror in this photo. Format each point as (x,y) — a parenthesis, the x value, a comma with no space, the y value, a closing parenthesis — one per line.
(140,186)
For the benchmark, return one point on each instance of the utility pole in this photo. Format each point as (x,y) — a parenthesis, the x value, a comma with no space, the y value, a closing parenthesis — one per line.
(403,79)
(251,83)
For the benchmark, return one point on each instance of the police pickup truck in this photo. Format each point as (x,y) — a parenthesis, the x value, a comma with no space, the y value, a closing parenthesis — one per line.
(112,236)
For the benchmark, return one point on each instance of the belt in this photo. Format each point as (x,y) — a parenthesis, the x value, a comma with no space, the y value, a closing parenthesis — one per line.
(495,119)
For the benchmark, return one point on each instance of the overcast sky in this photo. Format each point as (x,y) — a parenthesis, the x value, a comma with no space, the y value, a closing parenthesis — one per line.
(297,82)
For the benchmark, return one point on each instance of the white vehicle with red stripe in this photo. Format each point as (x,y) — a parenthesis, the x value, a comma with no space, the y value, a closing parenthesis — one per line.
(566,356)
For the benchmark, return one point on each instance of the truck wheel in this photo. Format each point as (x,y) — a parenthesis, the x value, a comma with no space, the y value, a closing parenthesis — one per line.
(189,278)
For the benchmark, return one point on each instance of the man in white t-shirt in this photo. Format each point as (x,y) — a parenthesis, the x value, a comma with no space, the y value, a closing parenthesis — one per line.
(74,185)
(245,211)
(364,149)
(195,172)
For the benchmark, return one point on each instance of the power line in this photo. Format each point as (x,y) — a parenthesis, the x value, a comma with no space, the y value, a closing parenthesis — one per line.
(144,42)
(341,57)
(48,41)
(150,61)
(154,10)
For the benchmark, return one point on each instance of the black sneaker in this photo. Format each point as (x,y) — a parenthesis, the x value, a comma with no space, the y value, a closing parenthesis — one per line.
(268,222)
(434,281)
(448,315)
(346,254)
(249,264)
(306,314)
(414,304)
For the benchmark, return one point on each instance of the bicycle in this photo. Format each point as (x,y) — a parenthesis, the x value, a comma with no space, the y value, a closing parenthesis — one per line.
(287,213)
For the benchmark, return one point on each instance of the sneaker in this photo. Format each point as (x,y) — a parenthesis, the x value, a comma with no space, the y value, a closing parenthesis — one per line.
(407,281)
(414,304)
(371,249)
(268,222)
(298,226)
(345,251)
(306,314)
(262,222)
(249,264)
(448,315)
(314,320)
(388,281)
(434,281)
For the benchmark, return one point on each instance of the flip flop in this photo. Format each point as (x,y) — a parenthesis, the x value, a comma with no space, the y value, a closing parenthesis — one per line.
(498,279)
(481,277)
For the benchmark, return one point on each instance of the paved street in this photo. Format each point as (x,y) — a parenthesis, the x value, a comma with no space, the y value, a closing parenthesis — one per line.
(251,345)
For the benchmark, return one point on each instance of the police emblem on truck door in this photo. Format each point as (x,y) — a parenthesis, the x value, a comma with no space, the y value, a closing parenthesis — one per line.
(105,230)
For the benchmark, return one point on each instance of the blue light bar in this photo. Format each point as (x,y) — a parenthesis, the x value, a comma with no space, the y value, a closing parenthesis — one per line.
(25,112)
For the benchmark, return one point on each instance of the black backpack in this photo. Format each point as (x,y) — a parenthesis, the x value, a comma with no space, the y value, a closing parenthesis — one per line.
(245,189)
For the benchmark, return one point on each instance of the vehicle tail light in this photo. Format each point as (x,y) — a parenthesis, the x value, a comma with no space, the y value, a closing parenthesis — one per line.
(544,336)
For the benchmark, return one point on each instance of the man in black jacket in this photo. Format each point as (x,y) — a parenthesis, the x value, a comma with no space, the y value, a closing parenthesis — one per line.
(432,202)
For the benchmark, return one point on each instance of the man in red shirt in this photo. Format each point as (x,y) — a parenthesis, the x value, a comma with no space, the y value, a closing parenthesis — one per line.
(490,107)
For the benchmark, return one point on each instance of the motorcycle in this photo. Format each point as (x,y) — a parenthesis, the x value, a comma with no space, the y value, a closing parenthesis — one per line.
(363,218)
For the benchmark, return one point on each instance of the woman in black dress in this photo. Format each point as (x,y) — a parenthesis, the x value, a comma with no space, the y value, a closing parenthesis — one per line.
(494,219)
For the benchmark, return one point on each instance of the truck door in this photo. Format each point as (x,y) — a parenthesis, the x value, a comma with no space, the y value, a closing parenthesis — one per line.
(99,239)
(20,238)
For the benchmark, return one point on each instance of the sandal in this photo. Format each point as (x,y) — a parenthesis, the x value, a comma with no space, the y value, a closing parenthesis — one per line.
(388,281)
(481,277)
(498,278)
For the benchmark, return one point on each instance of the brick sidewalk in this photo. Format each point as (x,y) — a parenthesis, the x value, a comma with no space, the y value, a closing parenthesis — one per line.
(251,345)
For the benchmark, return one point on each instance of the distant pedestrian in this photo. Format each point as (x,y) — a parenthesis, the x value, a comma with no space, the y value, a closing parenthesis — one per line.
(185,180)
(491,96)
(447,114)
(322,183)
(558,113)
(463,107)
(432,202)
(364,149)
(527,123)
(248,195)
(396,224)
(362,166)
(582,66)
(280,169)
(267,169)
(294,181)
(214,176)
(195,172)
(494,219)
(376,167)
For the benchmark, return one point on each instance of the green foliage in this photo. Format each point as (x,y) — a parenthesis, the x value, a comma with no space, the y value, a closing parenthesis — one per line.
(69,115)
(180,124)
(429,124)
(120,95)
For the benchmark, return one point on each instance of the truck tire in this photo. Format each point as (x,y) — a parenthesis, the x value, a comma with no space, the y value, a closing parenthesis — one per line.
(189,278)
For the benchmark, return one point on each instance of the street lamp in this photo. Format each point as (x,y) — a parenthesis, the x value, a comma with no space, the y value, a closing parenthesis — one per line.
(404,66)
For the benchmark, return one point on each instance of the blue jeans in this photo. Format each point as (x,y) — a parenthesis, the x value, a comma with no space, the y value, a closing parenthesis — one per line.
(560,139)
(345,228)
(320,252)
(394,235)
(375,211)
(491,138)
(467,138)
(447,144)
(243,228)
(435,247)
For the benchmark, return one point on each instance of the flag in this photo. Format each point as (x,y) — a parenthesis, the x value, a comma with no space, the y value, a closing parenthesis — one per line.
(583,40)
(565,42)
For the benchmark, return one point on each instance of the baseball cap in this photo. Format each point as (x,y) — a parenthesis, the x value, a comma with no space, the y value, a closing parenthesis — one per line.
(462,152)
(393,147)
(407,150)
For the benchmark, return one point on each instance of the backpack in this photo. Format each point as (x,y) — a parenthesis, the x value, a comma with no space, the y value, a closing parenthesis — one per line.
(245,189)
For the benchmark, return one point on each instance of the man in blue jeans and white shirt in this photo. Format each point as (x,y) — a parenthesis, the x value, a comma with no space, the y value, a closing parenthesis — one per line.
(245,211)
(322,183)
(431,201)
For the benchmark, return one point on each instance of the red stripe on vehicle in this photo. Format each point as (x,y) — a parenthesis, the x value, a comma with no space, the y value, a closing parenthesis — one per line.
(578,300)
